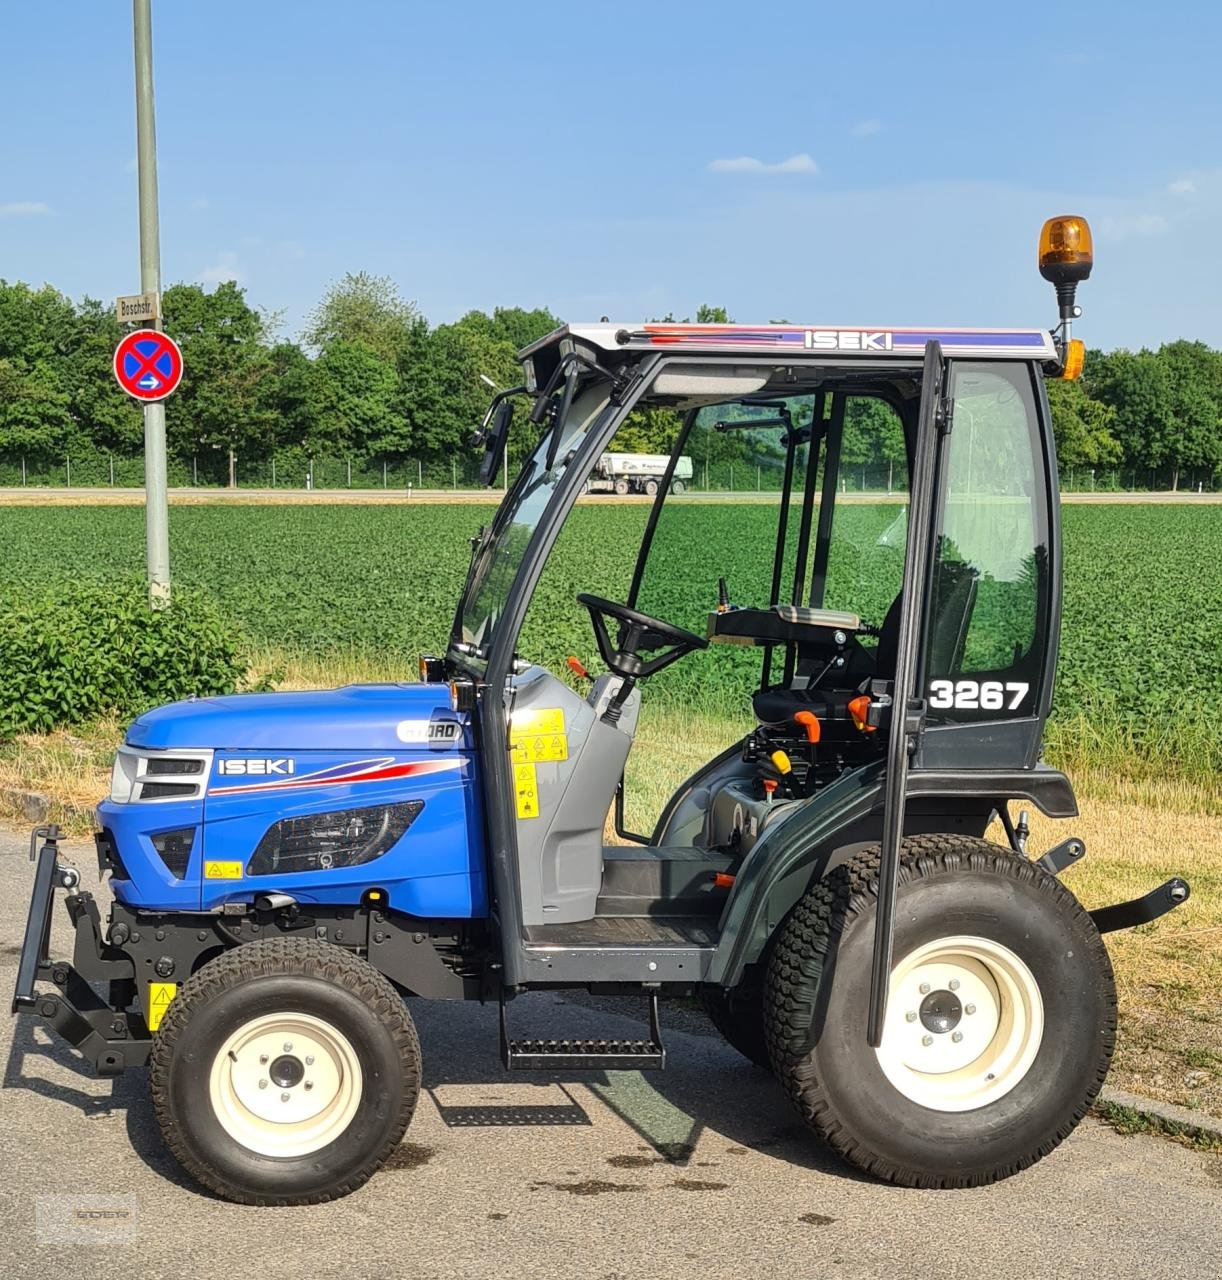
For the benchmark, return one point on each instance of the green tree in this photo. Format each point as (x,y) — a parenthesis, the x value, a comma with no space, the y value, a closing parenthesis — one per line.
(1082,426)
(221,404)
(1195,374)
(363,308)
(706,314)
(104,416)
(35,415)
(514,326)
(445,395)
(354,404)
(37,330)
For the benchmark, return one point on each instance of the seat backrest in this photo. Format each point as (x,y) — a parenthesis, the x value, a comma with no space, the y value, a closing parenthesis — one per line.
(956,596)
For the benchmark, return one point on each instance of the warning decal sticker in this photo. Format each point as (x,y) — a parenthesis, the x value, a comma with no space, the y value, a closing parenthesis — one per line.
(526,789)
(538,736)
(160,996)
(222,871)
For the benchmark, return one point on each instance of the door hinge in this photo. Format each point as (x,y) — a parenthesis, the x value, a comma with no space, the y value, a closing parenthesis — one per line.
(944,416)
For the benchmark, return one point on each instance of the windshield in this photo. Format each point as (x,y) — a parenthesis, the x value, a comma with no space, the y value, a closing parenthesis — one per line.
(500,553)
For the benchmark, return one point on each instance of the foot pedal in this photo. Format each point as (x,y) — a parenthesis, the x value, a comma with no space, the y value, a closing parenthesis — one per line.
(586,1055)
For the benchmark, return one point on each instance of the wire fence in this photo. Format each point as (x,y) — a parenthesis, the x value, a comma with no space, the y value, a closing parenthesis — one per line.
(297,471)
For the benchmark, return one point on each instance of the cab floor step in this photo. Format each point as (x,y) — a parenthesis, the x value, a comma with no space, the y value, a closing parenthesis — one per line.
(586,1055)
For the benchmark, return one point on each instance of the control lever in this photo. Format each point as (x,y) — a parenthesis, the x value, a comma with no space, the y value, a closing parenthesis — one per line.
(810,722)
(577,667)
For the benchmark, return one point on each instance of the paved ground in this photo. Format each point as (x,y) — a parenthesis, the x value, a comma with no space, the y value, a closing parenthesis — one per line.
(701,1171)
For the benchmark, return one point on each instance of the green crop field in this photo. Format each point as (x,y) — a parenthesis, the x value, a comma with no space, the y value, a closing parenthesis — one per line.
(372,587)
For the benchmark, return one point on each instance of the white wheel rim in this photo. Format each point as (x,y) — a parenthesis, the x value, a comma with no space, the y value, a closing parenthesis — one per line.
(285,1084)
(965,1020)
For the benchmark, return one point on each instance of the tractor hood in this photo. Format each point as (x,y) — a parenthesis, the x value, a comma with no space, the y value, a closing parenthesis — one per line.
(359,717)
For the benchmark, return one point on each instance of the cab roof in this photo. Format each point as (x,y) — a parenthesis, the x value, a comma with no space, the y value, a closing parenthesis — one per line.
(850,341)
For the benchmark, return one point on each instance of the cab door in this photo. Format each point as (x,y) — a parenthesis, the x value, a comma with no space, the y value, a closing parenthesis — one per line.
(907,705)
(994,588)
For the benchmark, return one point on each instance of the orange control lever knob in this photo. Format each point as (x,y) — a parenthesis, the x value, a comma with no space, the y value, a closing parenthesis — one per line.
(810,722)
(859,708)
(722,880)
(576,667)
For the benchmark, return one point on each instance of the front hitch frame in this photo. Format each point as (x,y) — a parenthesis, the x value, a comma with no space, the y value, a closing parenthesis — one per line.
(112,1039)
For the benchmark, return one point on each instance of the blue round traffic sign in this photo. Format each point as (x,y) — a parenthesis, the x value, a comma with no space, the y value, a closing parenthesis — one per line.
(148,364)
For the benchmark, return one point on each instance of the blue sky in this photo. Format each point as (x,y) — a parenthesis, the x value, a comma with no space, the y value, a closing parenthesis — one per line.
(876,163)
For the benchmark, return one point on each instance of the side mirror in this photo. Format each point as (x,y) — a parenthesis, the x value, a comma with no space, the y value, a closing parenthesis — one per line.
(495,438)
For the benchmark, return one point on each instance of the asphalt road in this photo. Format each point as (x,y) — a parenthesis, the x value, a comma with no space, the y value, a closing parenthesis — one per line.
(699,1171)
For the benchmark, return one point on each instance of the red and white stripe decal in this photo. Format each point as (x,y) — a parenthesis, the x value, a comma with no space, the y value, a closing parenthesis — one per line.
(383,769)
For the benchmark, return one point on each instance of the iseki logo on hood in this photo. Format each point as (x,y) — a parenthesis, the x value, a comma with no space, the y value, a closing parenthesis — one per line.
(260,768)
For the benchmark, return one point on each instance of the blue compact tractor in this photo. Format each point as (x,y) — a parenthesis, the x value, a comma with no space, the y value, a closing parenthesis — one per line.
(286,868)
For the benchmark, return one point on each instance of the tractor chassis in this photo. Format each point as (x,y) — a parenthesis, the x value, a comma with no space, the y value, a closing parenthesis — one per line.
(421,957)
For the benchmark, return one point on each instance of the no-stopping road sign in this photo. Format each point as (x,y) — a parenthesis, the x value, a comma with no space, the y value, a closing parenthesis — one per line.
(148,365)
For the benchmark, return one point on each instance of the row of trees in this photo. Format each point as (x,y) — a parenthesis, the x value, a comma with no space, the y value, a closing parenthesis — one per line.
(370,378)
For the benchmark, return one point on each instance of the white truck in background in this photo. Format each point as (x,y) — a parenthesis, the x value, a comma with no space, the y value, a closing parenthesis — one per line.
(624,473)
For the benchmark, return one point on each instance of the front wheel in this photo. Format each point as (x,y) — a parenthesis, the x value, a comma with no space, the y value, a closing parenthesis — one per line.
(285,1072)
(1001,1014)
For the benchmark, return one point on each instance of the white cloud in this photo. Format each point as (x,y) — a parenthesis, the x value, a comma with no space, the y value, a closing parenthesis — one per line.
(224,268)
(1137,224)
(866,128)
(802,163)
(24,209)
(1182,187)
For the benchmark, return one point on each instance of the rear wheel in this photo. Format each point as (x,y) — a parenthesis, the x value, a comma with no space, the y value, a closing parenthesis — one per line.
(621,487)
(1001,1014)
(651,488)
(285,1072)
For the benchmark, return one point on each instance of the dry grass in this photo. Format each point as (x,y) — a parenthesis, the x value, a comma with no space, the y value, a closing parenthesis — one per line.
(1138,832)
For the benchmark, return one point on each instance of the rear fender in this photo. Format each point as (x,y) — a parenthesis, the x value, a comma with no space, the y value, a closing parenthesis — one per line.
(843,818)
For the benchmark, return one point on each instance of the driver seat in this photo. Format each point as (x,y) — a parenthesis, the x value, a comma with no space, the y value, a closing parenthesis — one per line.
(956,587)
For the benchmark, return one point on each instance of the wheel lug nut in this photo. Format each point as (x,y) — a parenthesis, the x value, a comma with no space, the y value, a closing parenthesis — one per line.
(284,1097)
(262,1084)
(288,1046)
(309,1060)
(262,1059)
(969,1008)
(957,1036)
(953,984)
(910,1016)
(927,1041)
(309,1084)
(924,988)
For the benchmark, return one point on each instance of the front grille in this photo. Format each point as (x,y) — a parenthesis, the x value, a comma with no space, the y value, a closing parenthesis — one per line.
(174,849)
(341,838)
(161,766)
(167,790)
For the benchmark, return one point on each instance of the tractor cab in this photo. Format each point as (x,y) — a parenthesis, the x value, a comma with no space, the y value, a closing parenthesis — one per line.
(787,595)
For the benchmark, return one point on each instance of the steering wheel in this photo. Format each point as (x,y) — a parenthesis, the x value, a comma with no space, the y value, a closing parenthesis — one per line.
(637,632)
